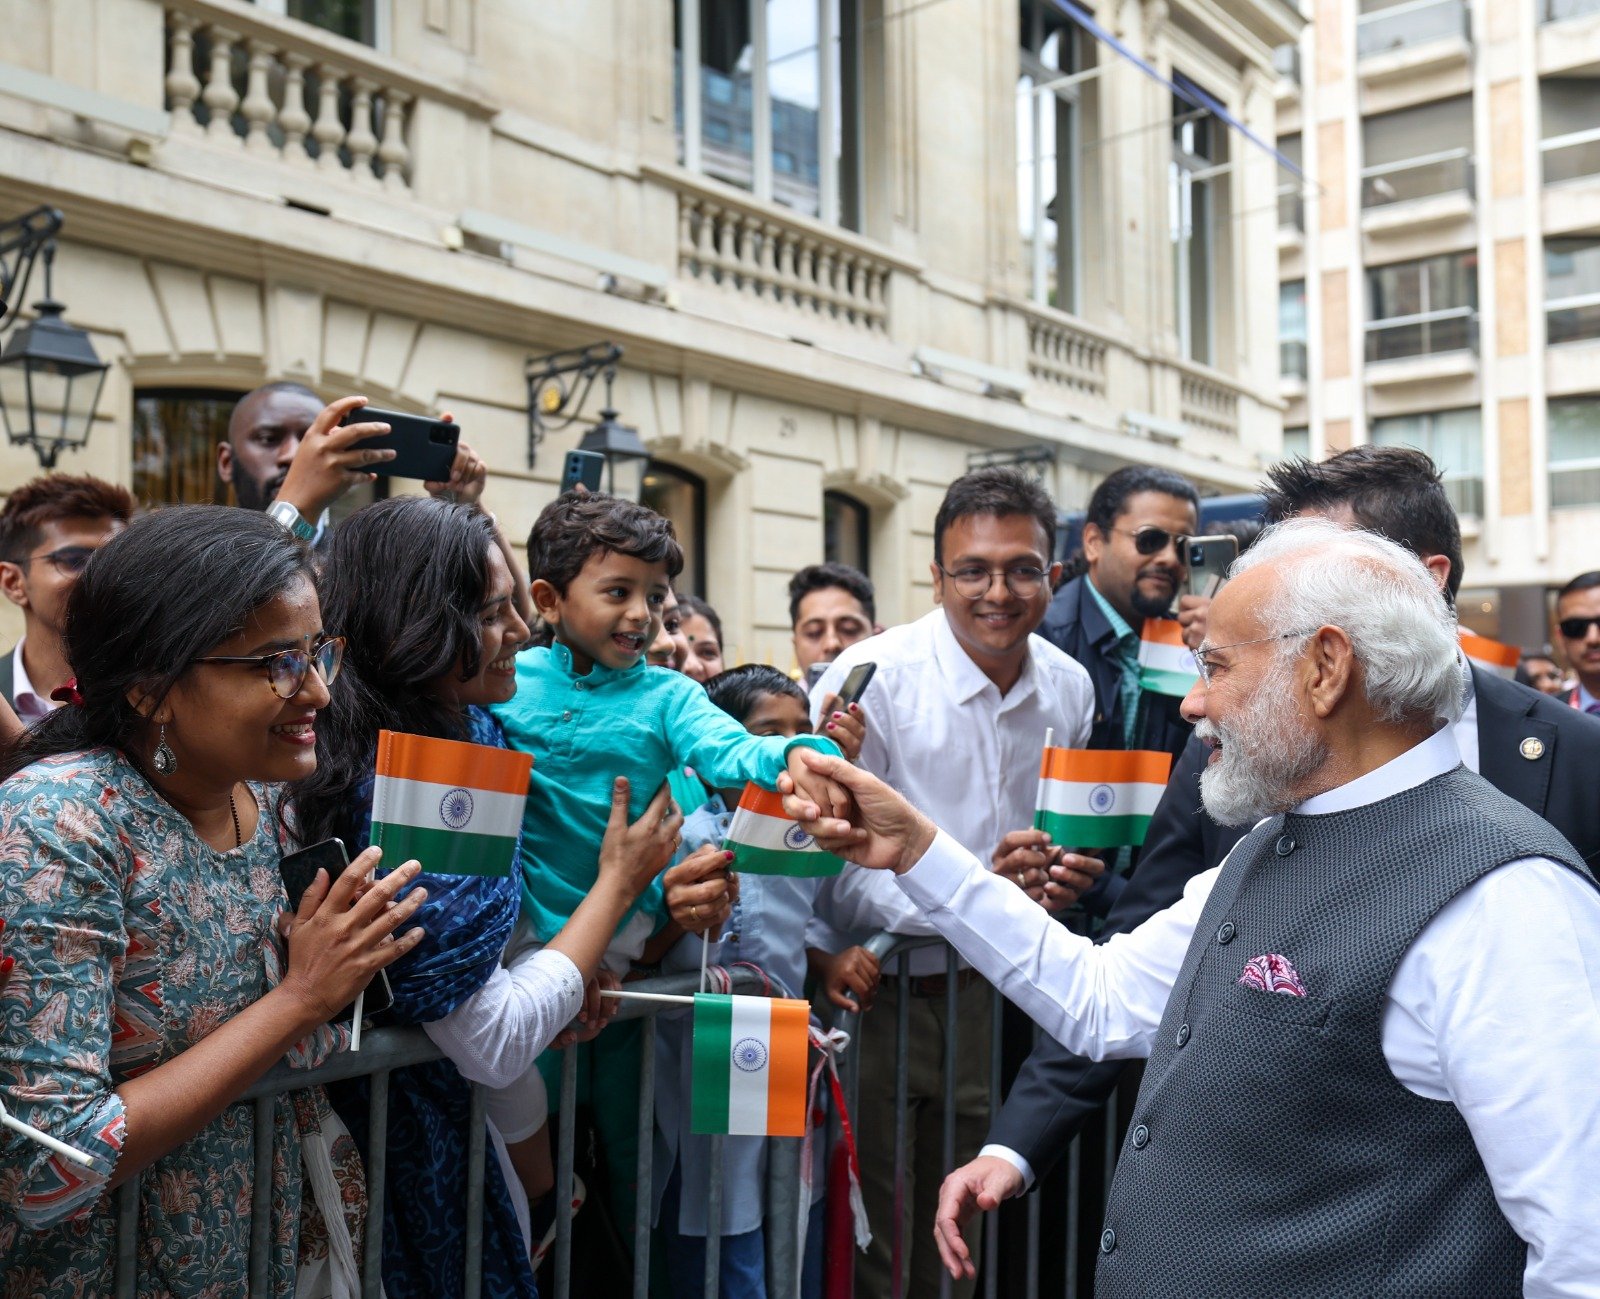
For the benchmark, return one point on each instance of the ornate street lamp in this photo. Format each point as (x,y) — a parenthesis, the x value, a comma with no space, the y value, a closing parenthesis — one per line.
(558,387)
(50,376)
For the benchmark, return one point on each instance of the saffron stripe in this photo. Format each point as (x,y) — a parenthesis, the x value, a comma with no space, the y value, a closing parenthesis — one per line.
(713,1044)
(764,802)
(450,762)
(445,852)
(1162,631)
(786,1083)
(1107,766)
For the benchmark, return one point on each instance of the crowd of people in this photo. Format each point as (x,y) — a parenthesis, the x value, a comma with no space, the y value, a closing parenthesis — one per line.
(199,690)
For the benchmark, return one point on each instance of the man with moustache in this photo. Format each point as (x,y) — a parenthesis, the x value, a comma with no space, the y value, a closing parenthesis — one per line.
(1578,621)
(1373,1030)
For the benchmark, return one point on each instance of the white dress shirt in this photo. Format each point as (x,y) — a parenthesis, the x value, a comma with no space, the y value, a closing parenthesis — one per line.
(1495,1008)
(29,705)
(940,732)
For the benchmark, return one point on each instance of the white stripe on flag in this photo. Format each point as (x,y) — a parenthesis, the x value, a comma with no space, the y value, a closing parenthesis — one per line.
(758,830)
(1075,798)
(421,803)
(751,1028)
(1167,658)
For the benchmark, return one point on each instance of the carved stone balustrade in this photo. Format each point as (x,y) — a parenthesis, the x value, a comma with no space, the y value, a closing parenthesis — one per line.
(1208,403)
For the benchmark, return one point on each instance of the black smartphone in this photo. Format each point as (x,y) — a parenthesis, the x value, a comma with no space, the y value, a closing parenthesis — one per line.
(299,870)
(425,448)
(583,467)
(1209,561)
(855,685)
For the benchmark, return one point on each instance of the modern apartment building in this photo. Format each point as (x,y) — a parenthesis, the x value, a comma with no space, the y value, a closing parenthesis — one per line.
(1440,269)
(846,245)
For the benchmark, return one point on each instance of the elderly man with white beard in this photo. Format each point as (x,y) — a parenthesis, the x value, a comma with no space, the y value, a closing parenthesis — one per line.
(1373,1030)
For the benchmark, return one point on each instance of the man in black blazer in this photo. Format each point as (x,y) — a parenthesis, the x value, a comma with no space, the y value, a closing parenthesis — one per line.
(1528,745)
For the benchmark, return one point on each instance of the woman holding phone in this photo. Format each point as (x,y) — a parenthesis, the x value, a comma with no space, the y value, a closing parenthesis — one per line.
(426,597)
(141,828)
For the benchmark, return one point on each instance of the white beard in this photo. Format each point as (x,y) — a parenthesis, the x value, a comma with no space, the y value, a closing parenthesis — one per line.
(1267,752)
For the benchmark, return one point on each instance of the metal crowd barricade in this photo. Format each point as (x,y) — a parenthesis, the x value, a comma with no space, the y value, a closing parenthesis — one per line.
(385,1050)
(895,948)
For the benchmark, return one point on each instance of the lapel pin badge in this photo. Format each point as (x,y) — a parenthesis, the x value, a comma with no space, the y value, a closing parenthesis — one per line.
(1532,748)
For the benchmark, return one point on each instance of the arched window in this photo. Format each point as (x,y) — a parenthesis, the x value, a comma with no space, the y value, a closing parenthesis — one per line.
(846,531)
(680,496)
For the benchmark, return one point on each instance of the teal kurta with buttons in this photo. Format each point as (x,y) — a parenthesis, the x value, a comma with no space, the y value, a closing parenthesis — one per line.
(586,730)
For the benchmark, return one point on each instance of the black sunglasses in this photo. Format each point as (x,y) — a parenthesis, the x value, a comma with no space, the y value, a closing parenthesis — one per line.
(1576,628)
(1151,540)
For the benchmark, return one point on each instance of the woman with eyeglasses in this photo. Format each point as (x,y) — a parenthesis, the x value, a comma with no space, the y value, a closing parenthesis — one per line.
(424,589)
(141,827)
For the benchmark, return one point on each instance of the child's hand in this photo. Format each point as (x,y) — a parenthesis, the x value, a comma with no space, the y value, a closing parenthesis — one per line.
(633,855)
(851,973)
(831,798)
(701,891)
(595,1014)
(847,729)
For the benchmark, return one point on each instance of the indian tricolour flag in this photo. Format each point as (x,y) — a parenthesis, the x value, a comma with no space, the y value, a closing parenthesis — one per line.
(1166,667)
(454,807)
(749,1066)
(1100,798)
(1491,655)
(765,841)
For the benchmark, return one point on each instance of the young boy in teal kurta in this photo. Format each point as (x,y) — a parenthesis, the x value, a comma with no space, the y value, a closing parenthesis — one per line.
(589,709)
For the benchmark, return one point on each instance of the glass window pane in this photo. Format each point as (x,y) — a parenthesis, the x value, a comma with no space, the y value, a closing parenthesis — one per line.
(845,531)
(1574,429)
(726,105)
(1571,268)
(1453,439)
(349,18)
(1567,105)
(175,438)
(1297,442)
(794,82)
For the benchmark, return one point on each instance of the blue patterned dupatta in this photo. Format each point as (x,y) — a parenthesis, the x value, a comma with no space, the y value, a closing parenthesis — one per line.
(467,922)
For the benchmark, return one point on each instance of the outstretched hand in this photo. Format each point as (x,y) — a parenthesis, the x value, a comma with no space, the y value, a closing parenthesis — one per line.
(972,1188)
(864,820)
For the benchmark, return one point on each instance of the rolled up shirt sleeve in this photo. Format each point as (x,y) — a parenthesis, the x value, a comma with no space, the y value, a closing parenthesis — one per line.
(63,908)
(495,1035)
(1102,1000)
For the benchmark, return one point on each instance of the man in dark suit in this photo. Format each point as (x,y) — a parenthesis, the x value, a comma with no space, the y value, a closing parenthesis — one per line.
(1527,745)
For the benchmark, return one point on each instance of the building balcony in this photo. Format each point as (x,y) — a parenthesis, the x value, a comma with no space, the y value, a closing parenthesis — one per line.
(1416,36)
(1557,11)
(1293,361)
(1575,156)
(1422,348)
(1572,320)
(1432,190)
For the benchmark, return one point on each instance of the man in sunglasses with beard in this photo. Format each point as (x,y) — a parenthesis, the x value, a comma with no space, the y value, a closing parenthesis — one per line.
(1578,621)
(49,530)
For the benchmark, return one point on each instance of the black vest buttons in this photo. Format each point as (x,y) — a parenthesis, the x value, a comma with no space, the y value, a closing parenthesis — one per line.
(1183,1034)
(1285,845)
(1108,1241)
(1226,933)
(1141,1137)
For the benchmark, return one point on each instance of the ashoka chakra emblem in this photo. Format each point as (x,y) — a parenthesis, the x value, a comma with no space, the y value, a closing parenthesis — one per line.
(455,808)
(750,1054)
(1102,798)
(797,839)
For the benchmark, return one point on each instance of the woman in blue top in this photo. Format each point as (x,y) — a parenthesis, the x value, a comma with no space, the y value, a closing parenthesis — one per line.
(426,590)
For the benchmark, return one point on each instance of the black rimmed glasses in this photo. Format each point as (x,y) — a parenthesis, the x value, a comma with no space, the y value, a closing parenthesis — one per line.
(1151,540)
(1202,657)
(286,669)
(972,581)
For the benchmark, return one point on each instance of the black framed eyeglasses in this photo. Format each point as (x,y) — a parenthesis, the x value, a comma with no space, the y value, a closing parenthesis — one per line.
(286,669)
(1577,628)
(972,581)
(69,561)
(1151,540)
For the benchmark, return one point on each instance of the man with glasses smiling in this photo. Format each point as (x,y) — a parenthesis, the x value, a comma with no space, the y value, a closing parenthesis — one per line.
(49,530)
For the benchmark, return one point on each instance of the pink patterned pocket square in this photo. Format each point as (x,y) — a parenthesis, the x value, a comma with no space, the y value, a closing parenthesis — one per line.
(1272,973)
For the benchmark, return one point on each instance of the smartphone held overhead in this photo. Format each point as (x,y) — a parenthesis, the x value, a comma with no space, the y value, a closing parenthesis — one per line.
(424,447)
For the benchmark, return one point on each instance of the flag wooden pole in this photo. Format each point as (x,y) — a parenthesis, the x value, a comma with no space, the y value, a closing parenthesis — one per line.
(665,998)
(44,1139)
(1038,800)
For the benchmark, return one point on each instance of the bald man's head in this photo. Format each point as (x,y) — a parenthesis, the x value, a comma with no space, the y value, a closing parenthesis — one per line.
(264,432)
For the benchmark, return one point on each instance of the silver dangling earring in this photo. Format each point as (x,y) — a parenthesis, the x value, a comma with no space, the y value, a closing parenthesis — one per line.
(164,760)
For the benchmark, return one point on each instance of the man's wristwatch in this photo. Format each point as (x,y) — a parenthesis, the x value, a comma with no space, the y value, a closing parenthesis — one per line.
(281,512)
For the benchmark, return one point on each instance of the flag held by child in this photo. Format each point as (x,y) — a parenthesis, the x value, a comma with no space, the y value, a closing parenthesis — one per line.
(454,807)
(749,1062)
(1166,666)
(1100,798)
(765,841)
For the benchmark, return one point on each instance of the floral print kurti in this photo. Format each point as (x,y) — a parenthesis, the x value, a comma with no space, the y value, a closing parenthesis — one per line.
(133,940)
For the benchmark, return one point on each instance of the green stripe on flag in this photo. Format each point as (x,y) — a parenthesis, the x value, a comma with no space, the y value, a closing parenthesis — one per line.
(713,1046)
(444,852)
(1160,681)
(781,861)
(1092,831)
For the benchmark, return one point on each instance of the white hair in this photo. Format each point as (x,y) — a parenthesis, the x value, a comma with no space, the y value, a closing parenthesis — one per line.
(1381,596)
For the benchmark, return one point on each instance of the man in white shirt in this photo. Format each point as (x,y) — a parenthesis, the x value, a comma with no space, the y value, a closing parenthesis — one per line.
(1373,1030)
(960,704)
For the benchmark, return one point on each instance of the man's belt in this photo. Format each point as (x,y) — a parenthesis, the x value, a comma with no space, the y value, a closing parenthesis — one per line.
(938,985)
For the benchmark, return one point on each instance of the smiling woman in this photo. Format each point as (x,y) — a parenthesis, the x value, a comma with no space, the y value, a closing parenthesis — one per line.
(142,824)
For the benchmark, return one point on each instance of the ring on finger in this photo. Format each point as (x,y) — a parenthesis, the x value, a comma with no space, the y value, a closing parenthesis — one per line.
(694,912)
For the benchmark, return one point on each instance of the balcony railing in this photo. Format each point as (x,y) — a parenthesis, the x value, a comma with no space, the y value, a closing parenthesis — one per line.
(1575,483)
(1291,208)
(1293,360)
(1446,172)
(1426,334)
(1572,156)
(1555,11)
(1061,353)
(1286,63)
(1206,403)
(1571,320)
(1465,493)
(1417,22)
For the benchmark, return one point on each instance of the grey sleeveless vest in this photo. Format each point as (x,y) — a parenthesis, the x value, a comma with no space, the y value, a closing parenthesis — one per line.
(1271,1151)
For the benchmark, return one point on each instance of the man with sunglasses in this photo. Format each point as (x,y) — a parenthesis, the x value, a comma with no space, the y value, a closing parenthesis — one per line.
(1578,621)
(49,530)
